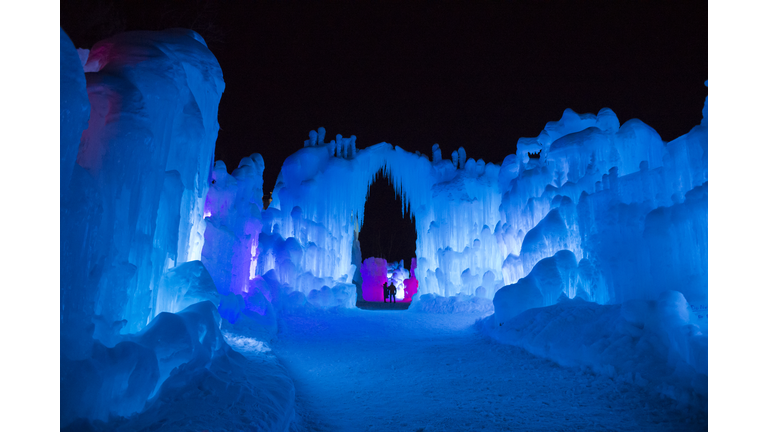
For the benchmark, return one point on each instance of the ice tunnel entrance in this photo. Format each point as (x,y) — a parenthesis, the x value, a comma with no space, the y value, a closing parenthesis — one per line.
(387,232)
(387,244)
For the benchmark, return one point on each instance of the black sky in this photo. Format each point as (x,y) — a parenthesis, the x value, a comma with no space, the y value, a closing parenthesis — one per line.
(477,74)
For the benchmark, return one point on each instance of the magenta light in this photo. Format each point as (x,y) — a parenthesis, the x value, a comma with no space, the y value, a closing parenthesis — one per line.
(411,284)
(374,274)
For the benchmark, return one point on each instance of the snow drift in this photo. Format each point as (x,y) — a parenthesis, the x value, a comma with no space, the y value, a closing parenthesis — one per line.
(658,343)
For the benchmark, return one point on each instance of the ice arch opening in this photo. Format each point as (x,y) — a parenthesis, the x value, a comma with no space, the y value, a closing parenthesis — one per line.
(389,238)
(387,233)
(319,202)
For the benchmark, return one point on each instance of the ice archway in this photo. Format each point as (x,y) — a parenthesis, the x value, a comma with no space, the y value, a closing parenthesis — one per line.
(591,214)
(320,197)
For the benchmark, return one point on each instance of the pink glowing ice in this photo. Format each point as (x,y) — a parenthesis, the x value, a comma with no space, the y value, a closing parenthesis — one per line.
(374,274)
(411,284)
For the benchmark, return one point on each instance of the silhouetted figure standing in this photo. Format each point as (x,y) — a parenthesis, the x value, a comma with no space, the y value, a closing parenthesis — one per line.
(392,291)
(386,292)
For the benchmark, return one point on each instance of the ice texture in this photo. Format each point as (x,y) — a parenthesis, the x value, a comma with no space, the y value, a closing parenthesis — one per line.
(161,247)
(377,273)
(323,221)
(178,371)
(142,174)
(411,285)
(650,343)
(233,214)
(598,190)
(140,329)
(74,107)
(183,286)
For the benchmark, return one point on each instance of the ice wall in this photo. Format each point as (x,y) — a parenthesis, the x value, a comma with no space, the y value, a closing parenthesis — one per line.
(456,247)
(631,208)
(133,190)
(74,107)
(485,226)
(76,211)
(233,214)
(319,202)
(136,195)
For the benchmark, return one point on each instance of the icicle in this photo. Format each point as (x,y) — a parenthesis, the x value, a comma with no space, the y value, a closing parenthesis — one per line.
(436,155)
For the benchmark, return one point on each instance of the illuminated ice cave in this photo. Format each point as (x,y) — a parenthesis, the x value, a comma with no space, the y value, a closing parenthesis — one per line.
(186,304)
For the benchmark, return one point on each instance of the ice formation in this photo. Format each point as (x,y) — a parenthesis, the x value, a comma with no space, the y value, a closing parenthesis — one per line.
(159,243)
(139,312)
(606,195)
(660,344)
(135,206)
(374,273)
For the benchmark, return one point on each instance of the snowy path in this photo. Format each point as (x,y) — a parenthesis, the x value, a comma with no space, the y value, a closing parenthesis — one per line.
(358,370)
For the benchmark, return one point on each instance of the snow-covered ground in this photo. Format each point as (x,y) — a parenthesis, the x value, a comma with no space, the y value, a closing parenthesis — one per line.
(360,370)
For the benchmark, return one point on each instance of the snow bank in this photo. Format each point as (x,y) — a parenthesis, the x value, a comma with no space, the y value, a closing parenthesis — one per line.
(454,304)
(178,373)
(183,286)
(656,343)
(341,295)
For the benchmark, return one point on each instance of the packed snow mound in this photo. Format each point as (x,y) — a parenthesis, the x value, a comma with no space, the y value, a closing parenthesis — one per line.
(657,343)
(180,372)
(432,303)
(185,285)
(551,279)
(341,295)
(118,380)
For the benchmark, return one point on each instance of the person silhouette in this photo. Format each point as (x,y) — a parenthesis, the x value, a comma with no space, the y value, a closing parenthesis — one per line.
(392,292)
(386,292)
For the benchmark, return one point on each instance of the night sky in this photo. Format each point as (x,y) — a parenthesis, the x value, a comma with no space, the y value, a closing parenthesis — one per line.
(475,74)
